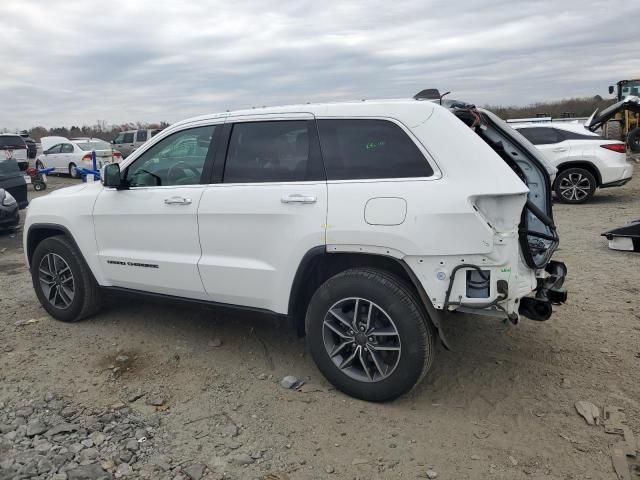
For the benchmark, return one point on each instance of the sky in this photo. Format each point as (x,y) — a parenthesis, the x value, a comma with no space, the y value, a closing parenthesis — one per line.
(74,62)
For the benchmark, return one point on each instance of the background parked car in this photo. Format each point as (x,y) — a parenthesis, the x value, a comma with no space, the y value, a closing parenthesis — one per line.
(32,147)
(12,146)
(66,156)
(13,181)
(585,161)
(127,142)
(9,215)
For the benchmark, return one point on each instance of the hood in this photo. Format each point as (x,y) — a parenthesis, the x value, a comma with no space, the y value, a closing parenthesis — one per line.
(598,119)
(48,142)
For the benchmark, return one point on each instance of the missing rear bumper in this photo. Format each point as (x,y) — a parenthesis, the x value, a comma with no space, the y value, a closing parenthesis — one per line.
(549,292)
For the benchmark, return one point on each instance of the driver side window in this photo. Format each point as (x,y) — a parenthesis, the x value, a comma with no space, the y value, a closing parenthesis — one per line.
(176,160)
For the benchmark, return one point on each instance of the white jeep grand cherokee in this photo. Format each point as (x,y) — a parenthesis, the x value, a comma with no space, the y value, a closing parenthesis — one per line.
(363,222)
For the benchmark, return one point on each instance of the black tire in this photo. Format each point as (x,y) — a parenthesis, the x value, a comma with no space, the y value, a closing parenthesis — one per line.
(633,140)
(39,165)
(73,171)
(574,185)
(86,298)
(414,334)
(613,130)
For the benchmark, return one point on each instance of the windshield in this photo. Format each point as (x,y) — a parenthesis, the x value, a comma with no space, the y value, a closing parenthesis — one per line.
(11,141)
(631,88)
(93,145)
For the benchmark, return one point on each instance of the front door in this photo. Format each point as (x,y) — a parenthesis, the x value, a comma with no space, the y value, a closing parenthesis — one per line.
(53,158)
(147,235)
(266,211)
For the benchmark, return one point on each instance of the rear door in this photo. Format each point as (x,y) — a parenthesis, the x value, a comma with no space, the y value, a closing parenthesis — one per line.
(264,210)
(53,158)
(67,159)
(147,235)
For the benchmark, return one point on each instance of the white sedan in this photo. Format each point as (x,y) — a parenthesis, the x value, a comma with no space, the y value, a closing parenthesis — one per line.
(68,156)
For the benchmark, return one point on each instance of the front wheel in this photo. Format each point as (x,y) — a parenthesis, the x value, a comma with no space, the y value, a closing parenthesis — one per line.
(368,334)
(62,280)
(575,185)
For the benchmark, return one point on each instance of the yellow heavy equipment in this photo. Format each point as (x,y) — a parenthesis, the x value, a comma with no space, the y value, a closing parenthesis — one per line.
(625,125)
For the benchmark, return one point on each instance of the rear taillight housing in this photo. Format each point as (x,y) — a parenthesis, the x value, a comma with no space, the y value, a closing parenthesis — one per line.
(616,147)
(87,157)
(117,156)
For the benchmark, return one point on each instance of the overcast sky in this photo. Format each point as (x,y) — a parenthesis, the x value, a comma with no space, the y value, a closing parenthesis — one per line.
(73,62)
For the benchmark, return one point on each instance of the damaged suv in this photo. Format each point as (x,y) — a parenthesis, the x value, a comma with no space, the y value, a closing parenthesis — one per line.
(363,222)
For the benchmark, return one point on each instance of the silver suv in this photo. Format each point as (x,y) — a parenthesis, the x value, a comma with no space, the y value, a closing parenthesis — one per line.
(127,142)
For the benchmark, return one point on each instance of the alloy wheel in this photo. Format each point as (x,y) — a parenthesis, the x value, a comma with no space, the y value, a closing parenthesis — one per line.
(361,339)
(575,187)
(56,280)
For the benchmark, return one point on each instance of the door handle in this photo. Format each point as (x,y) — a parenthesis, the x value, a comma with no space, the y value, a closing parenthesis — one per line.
(177,201)
(298,198)
(560,149)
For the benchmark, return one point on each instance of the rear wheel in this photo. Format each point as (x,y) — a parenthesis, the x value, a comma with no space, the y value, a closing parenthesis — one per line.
(73,171)
(633,140)
(62,280)
(614,130)
(575,185)
(368,334)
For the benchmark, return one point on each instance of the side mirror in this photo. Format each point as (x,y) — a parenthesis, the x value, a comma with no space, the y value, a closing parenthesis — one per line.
(111,176)
(611,89)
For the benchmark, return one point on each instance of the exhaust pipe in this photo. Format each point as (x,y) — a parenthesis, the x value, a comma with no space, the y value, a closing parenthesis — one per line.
(535,308)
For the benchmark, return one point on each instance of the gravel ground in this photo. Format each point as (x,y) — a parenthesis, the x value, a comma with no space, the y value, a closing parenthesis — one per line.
(156,390)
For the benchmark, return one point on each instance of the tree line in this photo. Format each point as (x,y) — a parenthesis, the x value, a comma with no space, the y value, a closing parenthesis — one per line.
(576,107)
(101,129)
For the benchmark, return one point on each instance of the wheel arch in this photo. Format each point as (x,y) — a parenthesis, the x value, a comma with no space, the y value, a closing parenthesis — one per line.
(590,167)
(41,231)
(318,265)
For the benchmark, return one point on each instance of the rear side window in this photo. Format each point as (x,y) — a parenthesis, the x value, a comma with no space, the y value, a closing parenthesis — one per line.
(568,135)
(55,149)
(541,135)
(360,149)
(141,136)
(67,148)
(274,151)
(12,141)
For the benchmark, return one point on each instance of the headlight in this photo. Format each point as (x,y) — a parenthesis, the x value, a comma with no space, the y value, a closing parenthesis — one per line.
(8,199)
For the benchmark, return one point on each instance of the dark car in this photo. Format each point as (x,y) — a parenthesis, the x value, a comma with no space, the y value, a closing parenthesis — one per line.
(32,148)
(12,180)
(13,147)
(9,215)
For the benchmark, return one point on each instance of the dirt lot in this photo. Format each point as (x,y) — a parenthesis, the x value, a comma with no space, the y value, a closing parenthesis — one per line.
(499,406)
